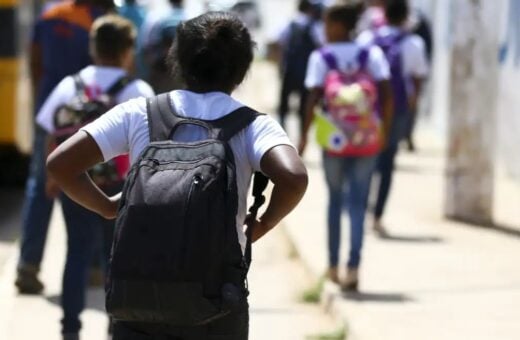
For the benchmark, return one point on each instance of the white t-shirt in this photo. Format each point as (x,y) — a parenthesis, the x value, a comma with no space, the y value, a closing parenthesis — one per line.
(124,129)
(97,79)
(415,62)
(347,57)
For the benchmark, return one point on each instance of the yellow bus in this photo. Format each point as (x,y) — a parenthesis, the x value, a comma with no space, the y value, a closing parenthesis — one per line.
(15,99)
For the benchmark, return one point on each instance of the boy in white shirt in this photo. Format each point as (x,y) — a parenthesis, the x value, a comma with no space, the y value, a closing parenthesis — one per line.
(111,44)
(406,54)
(342,172)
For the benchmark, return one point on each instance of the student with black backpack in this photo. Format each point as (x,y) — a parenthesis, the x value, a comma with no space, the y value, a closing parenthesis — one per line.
(297,41)
(77,100)
(180,255)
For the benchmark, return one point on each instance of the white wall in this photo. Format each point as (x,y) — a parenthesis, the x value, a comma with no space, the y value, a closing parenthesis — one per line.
(508,114)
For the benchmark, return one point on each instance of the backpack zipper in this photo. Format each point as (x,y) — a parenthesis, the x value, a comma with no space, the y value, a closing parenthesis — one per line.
(195,183)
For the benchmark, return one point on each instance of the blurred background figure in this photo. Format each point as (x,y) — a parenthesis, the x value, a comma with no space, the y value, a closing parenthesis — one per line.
(373,16)
(136,13)
(295,44)
(349,163)
(132,11)
(419,24)
(156,37)
(406,55)
(59,48)
(79,96)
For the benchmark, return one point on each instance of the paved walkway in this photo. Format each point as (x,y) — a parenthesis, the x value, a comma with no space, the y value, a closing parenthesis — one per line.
(277,279)
(432,278)
(276,282)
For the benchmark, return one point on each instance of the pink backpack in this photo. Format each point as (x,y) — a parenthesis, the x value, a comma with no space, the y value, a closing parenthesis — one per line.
(351,106)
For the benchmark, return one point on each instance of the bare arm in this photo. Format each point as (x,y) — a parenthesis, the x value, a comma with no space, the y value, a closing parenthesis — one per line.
(313,99)
(286,170)
(414,98)
(68,165)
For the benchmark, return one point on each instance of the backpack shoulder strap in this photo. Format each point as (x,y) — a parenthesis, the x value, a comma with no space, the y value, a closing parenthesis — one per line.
(329,59)
(78,83)
(231,124)
(162,118)
(260,183)
(119,85)
(363,56)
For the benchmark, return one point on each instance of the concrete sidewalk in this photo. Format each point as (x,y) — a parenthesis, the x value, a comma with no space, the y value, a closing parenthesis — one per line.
(432,278)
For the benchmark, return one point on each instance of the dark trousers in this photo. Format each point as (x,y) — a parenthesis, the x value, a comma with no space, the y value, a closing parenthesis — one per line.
(386,162)
(291,85)
(85,233)
(232,327)
(37,206)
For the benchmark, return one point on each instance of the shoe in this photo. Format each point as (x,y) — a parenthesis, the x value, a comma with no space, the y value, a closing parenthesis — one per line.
(410,145)
(71,336)
(96,278)
(332,275)
(350,284)
(379,229)
(27,280)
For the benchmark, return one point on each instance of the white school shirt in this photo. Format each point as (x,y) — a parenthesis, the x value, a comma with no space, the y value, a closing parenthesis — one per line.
(347,57)
(97,79)
(124,129)
(415,62)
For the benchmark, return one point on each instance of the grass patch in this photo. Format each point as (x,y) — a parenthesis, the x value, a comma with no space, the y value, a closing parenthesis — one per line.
(313,294)
(340,334)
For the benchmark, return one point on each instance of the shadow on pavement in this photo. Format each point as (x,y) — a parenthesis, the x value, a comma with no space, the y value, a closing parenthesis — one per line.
(492,227)
(377,297)
(411,238)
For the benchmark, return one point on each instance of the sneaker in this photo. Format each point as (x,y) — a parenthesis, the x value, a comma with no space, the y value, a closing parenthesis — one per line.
(27,280)
(333,275)
(350,284)
(379,229)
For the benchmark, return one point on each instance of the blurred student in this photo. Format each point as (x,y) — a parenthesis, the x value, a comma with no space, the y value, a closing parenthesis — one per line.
(132,11)
(406,56)
(348,80)
(59,48)
(296,42)
(157,35)
(373,16)
(75,100)
(419,24)
(200,300)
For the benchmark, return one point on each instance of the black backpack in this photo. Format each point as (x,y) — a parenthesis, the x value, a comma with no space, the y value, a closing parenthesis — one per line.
(81,110)
(176,258)
(298,50)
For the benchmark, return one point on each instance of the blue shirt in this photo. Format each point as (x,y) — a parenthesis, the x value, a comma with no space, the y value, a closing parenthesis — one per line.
(62,34)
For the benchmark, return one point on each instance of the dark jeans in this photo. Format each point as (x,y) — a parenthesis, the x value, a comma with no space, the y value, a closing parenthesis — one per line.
(386,162)
(37,207)
(232,327)
(85,231)
(290,86)
(348,181)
